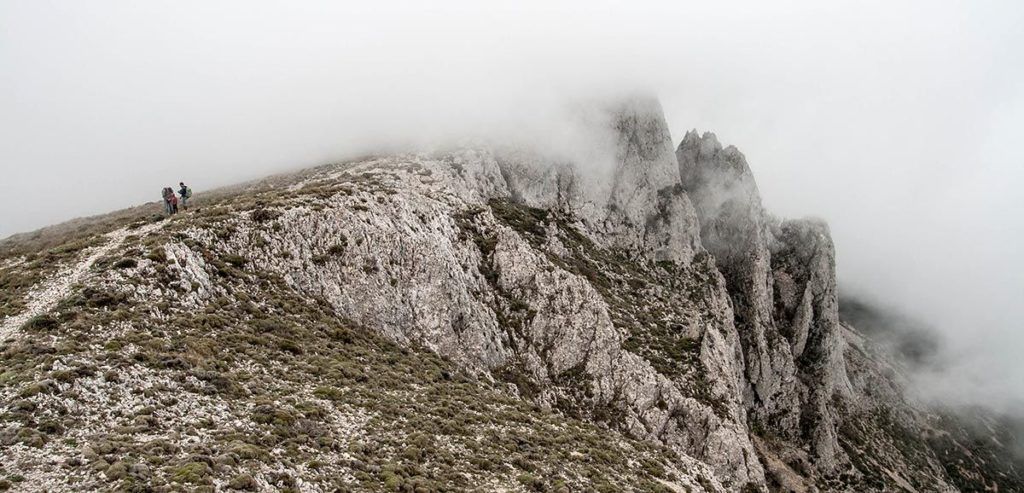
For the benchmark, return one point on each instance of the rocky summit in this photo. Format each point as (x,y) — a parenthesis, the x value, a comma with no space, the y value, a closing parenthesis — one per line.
(470,320)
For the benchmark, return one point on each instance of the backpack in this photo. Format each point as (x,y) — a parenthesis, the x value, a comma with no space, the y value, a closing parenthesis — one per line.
(188,192)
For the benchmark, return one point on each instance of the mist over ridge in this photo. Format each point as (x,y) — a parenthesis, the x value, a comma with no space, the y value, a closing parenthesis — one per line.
(896,124)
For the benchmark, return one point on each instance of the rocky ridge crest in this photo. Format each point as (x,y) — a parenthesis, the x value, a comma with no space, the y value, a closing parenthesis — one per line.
(379,317)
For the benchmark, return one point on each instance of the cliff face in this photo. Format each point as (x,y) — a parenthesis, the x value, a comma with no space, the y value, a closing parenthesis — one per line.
(460,320)
(781,279)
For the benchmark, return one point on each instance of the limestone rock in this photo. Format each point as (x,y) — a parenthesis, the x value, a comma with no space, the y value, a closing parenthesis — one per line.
(474,307)
(735,230)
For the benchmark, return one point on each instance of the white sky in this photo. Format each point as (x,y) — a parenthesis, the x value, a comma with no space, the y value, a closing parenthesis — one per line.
(901,123)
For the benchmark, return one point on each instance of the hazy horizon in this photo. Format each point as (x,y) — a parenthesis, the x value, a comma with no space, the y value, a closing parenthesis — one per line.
(899,124)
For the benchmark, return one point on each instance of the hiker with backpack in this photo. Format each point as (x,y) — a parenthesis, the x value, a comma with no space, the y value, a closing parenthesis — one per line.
(167,193)
(186,193)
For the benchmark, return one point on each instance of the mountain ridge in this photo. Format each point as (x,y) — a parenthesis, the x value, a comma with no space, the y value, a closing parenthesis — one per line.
(668,310)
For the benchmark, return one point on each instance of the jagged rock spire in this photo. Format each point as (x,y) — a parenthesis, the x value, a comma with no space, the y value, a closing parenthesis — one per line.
(647,209)
(733,229)
(642,209)
(781,279)
(644,159)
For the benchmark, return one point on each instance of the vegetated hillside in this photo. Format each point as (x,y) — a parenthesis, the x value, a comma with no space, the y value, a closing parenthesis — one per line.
(472,320)
(980,448)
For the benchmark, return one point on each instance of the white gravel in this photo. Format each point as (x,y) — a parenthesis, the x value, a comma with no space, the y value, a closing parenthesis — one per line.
(56,288)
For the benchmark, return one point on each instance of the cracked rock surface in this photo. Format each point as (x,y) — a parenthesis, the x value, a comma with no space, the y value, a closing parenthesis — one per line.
(468,320)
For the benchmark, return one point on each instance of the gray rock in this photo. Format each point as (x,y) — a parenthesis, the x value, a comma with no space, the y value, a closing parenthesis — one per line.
(657,298)
(735,229)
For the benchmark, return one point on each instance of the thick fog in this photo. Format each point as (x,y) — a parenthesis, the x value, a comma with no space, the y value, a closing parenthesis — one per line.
(901,123)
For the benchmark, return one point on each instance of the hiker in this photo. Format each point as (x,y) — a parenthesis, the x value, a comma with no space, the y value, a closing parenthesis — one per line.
(167,193)
(174,201)
(186,193)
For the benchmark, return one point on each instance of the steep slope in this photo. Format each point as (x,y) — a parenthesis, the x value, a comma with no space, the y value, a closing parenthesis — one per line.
(782,281)
(466,320)
(178,364)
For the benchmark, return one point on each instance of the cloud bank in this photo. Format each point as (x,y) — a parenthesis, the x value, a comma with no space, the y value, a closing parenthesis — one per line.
(899,124)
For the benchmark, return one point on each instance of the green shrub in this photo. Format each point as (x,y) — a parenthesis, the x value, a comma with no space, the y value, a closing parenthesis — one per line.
(126,263)
(193,472)
(263,215)
(41,323)
(234,259)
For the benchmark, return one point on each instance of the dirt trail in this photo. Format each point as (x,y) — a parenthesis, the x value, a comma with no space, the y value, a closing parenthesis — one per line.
(58,286)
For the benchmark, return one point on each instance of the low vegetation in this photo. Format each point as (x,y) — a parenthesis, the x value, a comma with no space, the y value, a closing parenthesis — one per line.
(643,296)
(18,276)
(261,387)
